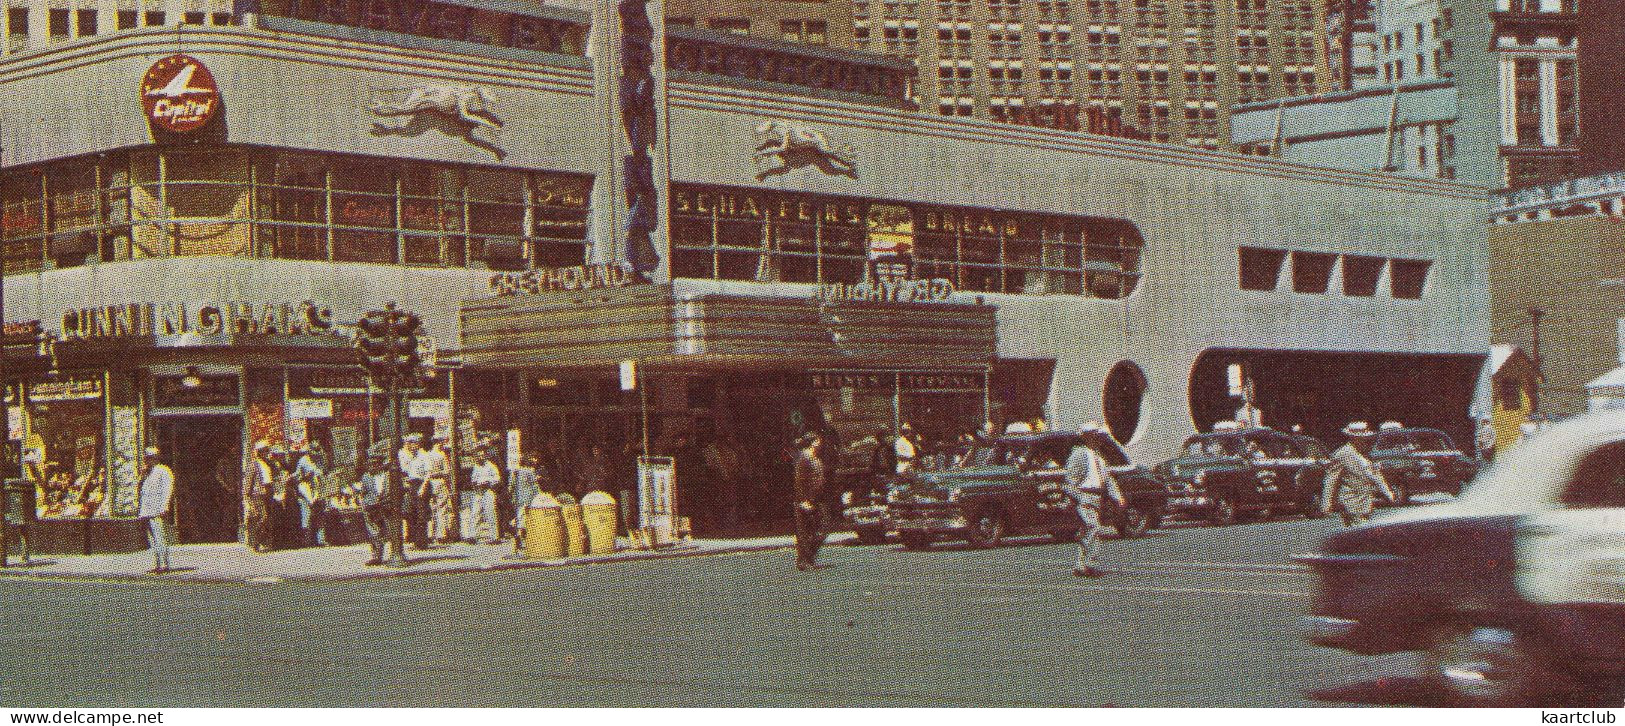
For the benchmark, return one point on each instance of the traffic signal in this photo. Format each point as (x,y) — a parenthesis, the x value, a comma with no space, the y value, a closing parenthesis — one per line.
(375,342)
(404,337)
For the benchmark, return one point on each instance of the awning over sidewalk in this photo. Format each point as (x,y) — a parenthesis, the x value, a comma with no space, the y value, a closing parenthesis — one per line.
(656,326)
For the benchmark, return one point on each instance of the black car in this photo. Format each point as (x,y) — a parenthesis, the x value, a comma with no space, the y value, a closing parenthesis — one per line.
(1014,488)
(1245,473)
(1420,460)
(1514,591)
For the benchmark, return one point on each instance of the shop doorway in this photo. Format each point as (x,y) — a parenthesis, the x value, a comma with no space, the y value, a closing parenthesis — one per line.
(206,454)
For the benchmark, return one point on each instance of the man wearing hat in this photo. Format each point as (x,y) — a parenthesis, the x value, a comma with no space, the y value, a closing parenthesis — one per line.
(374,494)
(526,485)
(1088,482)
(258,480)
(1352,481)
(157,493)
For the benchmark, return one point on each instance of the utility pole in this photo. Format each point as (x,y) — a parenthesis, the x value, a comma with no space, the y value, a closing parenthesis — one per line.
(1535,314)
(388,341)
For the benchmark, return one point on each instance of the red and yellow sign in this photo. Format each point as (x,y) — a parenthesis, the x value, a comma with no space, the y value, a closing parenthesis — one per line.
(179,94)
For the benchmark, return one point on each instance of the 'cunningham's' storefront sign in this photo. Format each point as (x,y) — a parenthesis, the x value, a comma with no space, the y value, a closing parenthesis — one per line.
(231,318)
(933,290)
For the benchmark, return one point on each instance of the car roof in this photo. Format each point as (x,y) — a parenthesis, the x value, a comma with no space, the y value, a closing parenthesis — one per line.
(1530,476)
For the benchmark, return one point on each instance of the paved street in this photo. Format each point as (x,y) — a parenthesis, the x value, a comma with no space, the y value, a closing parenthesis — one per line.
(1191,617)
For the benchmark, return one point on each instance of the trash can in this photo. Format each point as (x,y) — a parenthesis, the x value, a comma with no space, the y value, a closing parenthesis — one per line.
(598,511)
(17,509)
(544,528)
(575,531)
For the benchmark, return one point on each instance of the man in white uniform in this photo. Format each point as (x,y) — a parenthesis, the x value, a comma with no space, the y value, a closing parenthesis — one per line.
(1089,482)
(157,492)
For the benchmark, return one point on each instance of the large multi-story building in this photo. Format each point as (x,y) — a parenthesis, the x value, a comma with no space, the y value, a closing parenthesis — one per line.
(1470,90)
(813,22)
(1557,281)
(1171,70)
(210,206)
(33,25)
(1351,45)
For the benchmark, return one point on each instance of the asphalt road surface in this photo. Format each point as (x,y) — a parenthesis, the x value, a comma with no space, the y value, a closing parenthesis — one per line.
(1190,616)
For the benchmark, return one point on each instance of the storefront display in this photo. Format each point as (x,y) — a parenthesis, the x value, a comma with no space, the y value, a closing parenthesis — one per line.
(63,445)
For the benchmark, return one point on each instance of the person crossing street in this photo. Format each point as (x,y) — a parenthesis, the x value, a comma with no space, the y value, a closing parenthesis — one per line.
(157,493)
(1352,481)
(1089,483)
(809,483)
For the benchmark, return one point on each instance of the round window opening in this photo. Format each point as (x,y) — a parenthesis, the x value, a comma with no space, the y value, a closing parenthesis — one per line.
(1122,400)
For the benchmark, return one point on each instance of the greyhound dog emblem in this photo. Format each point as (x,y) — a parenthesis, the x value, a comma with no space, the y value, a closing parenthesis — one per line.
(454,110)
(783,148)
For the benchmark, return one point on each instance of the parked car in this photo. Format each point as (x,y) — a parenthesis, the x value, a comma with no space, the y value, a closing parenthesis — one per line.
(1514,591)
(1419,461)
(1244,473)
(1016,490)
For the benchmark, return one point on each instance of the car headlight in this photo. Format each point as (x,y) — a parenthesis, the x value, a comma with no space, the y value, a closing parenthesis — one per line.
(846,498)
(1200,479)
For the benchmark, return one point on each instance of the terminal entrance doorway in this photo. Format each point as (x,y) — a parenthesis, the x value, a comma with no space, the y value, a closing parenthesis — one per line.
(1323,391)
(205,452)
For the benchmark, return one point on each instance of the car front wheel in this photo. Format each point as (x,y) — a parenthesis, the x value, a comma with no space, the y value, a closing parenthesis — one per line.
(1479,665)
(1224,512)
(1136,522)
(987,530)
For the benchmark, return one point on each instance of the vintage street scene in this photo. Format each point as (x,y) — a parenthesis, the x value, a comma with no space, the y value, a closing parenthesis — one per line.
(812,353)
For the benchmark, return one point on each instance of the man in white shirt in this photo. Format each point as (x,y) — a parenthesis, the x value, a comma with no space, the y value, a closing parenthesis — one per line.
(480,518)
(415,488)
(1089,483)
(906,449)
(442,495)
(157,493)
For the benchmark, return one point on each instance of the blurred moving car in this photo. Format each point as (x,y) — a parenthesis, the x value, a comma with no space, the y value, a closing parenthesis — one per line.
(1420,461)
(1015,490)
(1237,473)
(1514,591)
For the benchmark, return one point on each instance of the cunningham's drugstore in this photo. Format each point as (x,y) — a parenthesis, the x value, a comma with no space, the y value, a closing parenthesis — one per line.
(772,239)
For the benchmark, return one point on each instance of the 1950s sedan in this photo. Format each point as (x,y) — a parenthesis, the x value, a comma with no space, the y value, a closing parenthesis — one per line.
(1244,473)
(1016,490)
(1514,591)
(1419,460)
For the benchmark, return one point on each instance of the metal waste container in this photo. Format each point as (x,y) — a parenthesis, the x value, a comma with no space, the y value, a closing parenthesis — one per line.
(599,512)
(17,509)
(575,531)
(544,528)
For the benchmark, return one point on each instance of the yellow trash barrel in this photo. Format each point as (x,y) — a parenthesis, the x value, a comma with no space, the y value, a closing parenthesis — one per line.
(544,528)
(575,531)
(598,509)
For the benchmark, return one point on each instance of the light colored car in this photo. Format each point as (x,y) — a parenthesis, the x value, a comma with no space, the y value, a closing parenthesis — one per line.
(1514,591)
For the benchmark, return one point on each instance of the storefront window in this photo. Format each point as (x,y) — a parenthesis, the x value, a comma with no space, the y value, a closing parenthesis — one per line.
(291,205)
(749,235)
(63,448)
(211,188)
(22,220)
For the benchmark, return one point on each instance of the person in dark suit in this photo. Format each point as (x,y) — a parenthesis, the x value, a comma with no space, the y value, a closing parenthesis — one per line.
(810,476)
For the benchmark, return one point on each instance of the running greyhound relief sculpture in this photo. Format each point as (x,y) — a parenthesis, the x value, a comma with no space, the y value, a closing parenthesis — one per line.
(455,110)
(782,148)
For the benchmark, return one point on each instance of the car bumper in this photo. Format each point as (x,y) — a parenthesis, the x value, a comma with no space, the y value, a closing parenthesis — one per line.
(866,516)
(1329,631)
(1181,503)
(929,525)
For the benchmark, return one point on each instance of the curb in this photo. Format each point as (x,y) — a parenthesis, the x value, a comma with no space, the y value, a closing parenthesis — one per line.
(384,573)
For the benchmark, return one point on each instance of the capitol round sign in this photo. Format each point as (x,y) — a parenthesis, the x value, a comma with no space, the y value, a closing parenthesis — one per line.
(179,94)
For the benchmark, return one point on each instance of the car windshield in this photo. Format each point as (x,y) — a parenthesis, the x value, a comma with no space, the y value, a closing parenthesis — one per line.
(1394,442)
(1431,441)
(1008,452)
(1213,446)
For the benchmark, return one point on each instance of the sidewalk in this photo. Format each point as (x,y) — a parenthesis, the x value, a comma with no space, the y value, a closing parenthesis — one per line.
(236,563)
